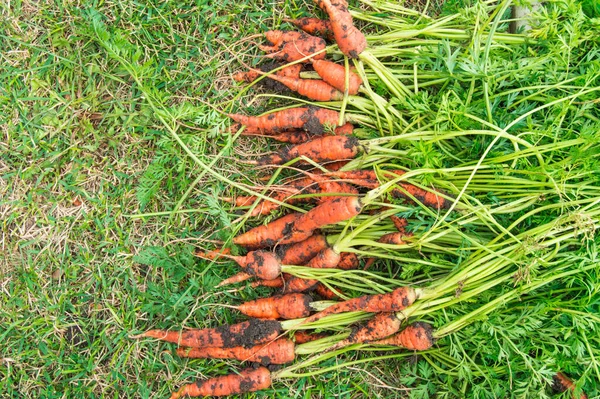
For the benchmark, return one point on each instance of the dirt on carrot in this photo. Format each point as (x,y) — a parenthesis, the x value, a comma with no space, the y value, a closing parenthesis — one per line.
(335,75)
(313,26)
(417,336)
(248,380)
(289,306)
(269,234)
(280,351)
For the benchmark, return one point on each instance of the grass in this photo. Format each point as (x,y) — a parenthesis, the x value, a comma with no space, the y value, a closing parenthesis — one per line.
(82,153)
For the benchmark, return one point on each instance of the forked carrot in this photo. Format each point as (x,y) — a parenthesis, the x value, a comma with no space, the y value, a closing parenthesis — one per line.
(417,336)
(289,306)
(247,333)
(248,380)
(280,351)
(313,89)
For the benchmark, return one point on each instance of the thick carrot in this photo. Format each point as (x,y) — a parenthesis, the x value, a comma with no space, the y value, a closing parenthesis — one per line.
(290,306)
(329,212)
(321,149)
(561,383)
(328,258)
(380,326)
(302,337)
(335,75)
(311,119)
(292,71)
(295,50)
(262,264)
(248,380)
(417,336)
(348,38)
(247,334)
(317,90)
(265,207)
(394,301)
(280,351)
(313,26)
(269,234)
(303,251)
(297,284)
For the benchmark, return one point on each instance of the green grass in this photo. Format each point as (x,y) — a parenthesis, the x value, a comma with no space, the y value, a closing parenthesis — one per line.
(82,152)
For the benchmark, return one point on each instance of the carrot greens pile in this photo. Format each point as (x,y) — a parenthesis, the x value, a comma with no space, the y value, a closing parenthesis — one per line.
(436,198)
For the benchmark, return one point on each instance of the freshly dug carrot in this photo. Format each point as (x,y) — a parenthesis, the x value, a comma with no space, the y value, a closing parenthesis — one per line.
(417,336)
(248,380)
(295,50)
(293,137)
(324,292)
(214,254)
(380,326)
(399,223)
(348,261)
(322,149)
(335,75)
(561,383)
(349,39)
(297,284)
(329,212)
(280,351)
(289,306)
(427,198)
(277,283)
(292,71)
(317,90)
(264,207)
(262,264)
(302,337)
(269,234)
(303,251)
(311,119)
(313,26)
(246,334)
(394,301)
(279,37)
(393,238)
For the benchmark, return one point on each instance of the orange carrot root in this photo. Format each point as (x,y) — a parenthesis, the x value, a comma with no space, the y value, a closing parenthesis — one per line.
(247,333)
(277,283)
(300,253)
(317,90)
(262,264)
(297,284)
(297,46)
(399,223)
(313,26)
(417,336)
(302,337)
(321,149)
(267,235)
(335,75)
(290,306)
(561,383)
(324,292)
(236,278)
(311,119)
(280,351)
(380,326)
(248,380)
(348,38)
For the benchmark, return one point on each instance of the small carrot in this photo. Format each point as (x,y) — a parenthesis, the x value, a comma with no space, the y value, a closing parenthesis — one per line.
(279,37)
(396,238)
(427,198)
(262,264)
(295,50)
(317,90)
(280,351)
(394,301)
(302,337)
(269,234)
(348,261)
(329,212)
(417,336)
(292,71)
(380,326)
(303,251)
(324,292)
(322,149)
(248,380)
(313,26)
(311,119)
(290,306)
(277,283)
(335,75)
(264,207)
(349,39)
(297,284)
(399,223)
(247,334)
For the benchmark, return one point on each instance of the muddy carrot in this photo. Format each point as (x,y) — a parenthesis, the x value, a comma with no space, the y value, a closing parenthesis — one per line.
(322,149)
(269,234)
(380,326)
(324,292)
(248,380)
(302,337)
(417,336)
(296,50)
(289,306)
(348,38)
(300,253)
(280,351)
(262,264)
(311,119)
(335,75)
(313,26)
(317,90)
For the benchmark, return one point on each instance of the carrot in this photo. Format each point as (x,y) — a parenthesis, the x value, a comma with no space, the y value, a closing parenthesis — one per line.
(247,334)
(303,251)
(399,223)
(248,380)
(297,284)
(292,71)
(295,50)
(348,38)
(264,207)
(393,238)
(348,261)
(290,306)
(317,90)
(329,212)
(214,254)
(327,186)
(267,235)
(293,137)
(324,292)
(322,149)
(311,119)
(417,336)
(561,383)
(313,26)
(302,337)
(393,301)
(262,264)
(335,75)
(280,351)
(380,326)
(427,198)
(279,37)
